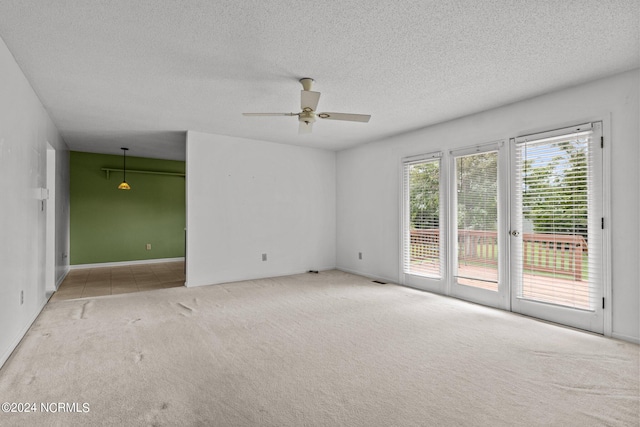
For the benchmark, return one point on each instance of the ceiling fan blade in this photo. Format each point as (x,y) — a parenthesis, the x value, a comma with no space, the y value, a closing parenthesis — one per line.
(345,116)
(309,99)
(305,127)
(269,114)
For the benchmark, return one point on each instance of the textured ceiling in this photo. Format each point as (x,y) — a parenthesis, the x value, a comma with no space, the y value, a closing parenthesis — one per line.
(140,73)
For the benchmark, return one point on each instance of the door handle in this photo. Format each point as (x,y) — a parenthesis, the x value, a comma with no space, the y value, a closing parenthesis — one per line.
(515,233)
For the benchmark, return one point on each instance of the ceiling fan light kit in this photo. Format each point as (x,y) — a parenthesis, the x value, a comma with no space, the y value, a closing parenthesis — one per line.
(308,104)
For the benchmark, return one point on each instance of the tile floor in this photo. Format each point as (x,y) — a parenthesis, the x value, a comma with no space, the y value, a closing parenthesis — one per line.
(94,282)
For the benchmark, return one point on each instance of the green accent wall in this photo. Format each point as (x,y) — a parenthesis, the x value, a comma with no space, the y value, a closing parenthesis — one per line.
(111,225)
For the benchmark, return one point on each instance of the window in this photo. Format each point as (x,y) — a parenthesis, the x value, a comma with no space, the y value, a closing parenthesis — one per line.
(422,231)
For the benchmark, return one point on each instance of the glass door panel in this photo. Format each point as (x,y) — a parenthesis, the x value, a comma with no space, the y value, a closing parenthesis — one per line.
(478,211)
(557,235)
(477,220)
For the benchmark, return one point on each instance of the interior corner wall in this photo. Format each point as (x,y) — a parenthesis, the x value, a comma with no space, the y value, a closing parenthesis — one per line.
(25,132)
(246,198)
(112,225)
(368,180)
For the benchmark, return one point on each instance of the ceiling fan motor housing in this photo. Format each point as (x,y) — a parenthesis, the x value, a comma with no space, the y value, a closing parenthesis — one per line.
(307,116)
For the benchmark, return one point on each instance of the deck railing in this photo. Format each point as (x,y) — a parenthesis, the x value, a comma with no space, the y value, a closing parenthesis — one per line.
(549,253)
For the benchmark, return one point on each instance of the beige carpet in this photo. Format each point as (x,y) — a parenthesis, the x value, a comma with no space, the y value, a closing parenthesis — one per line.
(331,349)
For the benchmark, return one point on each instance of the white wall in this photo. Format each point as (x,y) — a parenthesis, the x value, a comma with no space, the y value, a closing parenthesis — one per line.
(368,193)
(25,129)
(248,197)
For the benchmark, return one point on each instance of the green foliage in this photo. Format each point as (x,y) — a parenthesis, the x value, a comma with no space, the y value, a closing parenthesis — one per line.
(555,192)
(424,195)
(477,193)
(477,186)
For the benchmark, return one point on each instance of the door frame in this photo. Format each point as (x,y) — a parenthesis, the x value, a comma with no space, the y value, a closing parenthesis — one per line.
(600,321)
(50,220)
(501,297)
(444,285)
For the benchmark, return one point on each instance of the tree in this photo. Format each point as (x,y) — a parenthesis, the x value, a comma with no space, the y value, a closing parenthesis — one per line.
(424,195)
(477,193)
(555,187)
(477,187)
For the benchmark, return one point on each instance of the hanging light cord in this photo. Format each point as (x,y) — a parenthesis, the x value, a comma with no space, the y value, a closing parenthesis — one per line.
(124,185)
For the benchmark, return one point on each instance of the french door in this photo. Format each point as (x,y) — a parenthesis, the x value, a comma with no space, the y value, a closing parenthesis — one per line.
(557,226)
(477,236)
(521,232)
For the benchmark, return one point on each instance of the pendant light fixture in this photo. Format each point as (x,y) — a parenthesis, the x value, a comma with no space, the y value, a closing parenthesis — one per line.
(123,185)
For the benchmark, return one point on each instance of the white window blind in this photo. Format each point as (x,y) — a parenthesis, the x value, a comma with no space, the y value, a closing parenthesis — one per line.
(422,234)
(558,197)
(477,220)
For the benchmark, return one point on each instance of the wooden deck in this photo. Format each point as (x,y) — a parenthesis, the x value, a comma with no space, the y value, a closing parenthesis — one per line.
(553,263)
(535,286)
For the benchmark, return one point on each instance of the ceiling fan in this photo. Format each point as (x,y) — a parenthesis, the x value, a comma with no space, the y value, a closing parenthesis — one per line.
(308,104)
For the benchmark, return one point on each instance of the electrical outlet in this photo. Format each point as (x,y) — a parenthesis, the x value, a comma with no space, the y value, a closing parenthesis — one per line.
(21,297)
(359,255)
(148,246)
(264,257)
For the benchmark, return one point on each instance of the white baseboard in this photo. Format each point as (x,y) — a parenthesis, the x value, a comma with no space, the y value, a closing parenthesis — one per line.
(21,335)
(124,263)
(254,277)
(370,276)
(61,279)
(628,338)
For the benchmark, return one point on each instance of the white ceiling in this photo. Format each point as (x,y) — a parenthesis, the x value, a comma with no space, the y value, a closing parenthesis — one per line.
(140,73)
